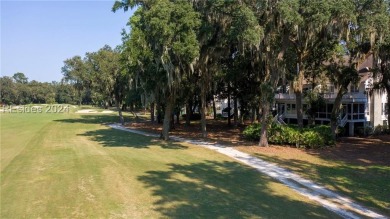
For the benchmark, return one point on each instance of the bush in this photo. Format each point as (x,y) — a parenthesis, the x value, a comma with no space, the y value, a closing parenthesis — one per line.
(380,130)
(312,139)
(252,132)
(315,137)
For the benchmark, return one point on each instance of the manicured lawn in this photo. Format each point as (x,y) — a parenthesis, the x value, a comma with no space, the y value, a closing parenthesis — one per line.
(361,178)
(68,165)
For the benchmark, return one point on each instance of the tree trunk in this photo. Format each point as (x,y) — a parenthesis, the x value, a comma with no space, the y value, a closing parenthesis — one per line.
(80,97)
(144,104)
(388,107)
(336,111)
(167,118)
(178,116)
(310,120)
(131,107)
(235,111)
(298,88)
(241,117)
(158,109)
(203,111)
(152,112)
(214,108)
(229,120)
(264,126)
(119,108)
(253,115)
(298,96)
(172,120)
(188,113)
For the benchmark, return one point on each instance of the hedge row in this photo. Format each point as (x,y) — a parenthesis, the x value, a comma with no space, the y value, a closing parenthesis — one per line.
(315,137)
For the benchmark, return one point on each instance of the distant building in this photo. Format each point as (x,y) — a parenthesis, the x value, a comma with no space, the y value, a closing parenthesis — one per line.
(222,107)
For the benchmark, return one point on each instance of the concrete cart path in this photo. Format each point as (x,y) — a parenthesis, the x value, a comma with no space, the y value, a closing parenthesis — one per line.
(341,205)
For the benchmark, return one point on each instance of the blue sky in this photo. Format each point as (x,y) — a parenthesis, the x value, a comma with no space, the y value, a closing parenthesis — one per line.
(37,36)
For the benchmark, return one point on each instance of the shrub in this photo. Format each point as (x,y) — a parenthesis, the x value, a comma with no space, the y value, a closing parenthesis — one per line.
(326,133)
(312,139)
(252,132)
(315,137)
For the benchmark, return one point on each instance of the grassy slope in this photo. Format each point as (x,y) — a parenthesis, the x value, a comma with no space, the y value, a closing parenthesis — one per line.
(368,184)
(71,166)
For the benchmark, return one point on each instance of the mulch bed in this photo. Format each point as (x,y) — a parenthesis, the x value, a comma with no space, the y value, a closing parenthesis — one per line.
(374,150)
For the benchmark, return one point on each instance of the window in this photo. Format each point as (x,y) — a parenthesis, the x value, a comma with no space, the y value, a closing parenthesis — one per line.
(329,107)
(291,108)
(362,107)
(354,88)
(355,108)
(384,108)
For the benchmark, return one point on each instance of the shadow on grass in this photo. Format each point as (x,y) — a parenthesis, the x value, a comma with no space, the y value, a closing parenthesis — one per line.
(214,189)
(118,138)
(374,150)
(92,119)
(367,184)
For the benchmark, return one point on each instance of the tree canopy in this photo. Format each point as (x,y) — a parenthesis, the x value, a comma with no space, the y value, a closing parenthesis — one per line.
(186,53)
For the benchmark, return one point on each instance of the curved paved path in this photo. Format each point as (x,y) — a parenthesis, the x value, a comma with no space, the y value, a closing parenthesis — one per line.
(341,205)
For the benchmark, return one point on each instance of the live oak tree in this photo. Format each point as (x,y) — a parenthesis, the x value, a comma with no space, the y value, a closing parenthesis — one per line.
(8,90)
(139,60)
(381,50)
(361,30)
(382,71)
(74,71)
(226,28)
(19,77)
(170,30)
(184,46)
(108,76)
(310,23)
(272,50)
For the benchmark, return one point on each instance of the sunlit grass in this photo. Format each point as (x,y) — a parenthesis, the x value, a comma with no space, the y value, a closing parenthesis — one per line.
(368,184)
(72,166)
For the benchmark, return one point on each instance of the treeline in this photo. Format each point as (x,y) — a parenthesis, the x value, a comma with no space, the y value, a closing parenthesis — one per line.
(17,90)
(181,52)
(185,53)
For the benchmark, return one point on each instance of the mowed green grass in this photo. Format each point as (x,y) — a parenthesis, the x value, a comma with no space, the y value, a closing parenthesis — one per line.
(73,166)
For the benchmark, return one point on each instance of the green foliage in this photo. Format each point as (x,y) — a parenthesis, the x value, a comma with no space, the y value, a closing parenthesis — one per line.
(315,137)
(20,91)
(380,129)
(245,27)
(20,78)
(316,103)
(252,132)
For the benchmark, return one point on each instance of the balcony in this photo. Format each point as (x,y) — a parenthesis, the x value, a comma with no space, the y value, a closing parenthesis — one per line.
(282,96)
(350,97)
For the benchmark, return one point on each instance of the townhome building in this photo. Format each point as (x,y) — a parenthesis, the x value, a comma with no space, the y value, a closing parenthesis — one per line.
(361,107)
